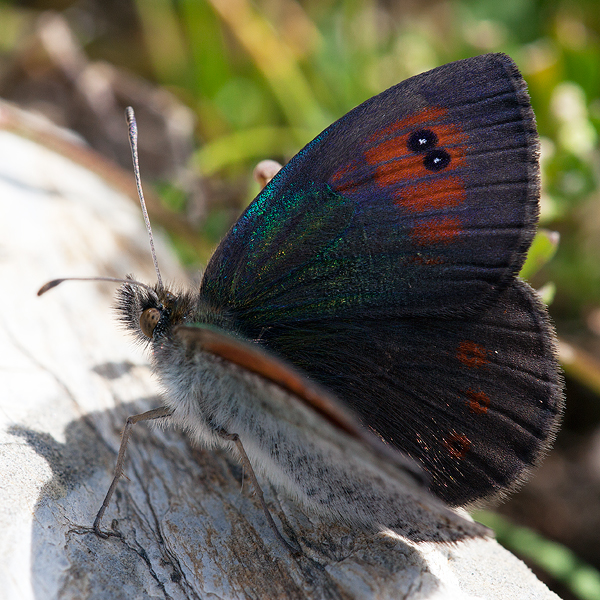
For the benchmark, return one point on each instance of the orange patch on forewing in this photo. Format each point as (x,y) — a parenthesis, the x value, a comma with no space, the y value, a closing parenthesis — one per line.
(424,119)
(441,230)
(396,167)
(393,162)
(386,151)
(471,354)
(389,144)
(442,192)
(477,402)
(385,143)
(457,445)
(452,139)
(342,178)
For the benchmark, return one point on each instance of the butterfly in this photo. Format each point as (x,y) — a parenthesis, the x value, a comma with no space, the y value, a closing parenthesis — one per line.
(360,337)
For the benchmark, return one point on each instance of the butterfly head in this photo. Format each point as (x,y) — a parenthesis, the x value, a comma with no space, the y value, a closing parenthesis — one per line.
(146,311)
(153,314)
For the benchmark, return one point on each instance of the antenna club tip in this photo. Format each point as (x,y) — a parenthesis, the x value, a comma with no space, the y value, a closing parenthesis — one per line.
(48,286)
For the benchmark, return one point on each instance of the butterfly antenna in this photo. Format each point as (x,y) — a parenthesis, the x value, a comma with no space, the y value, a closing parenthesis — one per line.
(55,282)
(133,135)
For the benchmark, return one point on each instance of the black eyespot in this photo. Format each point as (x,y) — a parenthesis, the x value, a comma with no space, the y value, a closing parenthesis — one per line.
(436,160)
(148,320)
(422,140)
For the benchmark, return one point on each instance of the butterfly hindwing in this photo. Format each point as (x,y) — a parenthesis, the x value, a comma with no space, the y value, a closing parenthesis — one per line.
(422,200)
(476,400)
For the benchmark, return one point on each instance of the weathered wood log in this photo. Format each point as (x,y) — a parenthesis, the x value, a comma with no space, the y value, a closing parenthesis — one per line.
(186,528)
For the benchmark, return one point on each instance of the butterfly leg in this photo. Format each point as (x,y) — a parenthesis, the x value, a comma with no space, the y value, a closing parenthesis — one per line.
(157,413)
(235,439)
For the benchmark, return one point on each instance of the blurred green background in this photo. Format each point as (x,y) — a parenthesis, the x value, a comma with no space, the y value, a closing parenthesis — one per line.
(238,82)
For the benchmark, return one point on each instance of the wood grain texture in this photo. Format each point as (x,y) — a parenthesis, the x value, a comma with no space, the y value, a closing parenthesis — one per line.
(188,528)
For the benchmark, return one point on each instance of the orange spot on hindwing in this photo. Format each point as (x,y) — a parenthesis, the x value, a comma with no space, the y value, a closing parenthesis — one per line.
(471,354)
(457,445)
(477,402)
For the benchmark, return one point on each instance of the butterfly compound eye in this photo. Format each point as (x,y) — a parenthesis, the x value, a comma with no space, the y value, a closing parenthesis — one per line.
(148,320)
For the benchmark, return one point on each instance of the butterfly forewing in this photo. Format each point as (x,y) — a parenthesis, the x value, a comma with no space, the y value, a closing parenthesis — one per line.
(421,201)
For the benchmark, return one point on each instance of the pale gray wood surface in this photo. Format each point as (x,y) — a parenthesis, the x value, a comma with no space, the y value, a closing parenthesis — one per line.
(70,377)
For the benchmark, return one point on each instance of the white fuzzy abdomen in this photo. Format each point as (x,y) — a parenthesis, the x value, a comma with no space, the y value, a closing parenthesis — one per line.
(298,451)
